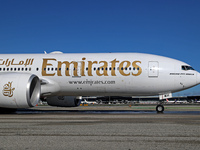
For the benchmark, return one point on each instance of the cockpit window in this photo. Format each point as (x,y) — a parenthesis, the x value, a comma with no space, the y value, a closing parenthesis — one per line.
(187,68)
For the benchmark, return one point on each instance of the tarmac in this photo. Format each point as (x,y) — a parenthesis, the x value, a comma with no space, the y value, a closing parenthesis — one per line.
(101,128)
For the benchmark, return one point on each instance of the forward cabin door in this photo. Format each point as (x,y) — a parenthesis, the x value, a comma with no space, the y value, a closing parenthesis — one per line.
(153,69)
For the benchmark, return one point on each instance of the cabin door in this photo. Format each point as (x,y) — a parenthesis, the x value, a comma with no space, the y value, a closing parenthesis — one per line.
(153,69)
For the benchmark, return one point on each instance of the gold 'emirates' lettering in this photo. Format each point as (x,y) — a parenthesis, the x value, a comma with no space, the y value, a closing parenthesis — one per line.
(44,65)
(105,65)
(90,63)
(113,66)
(121,69)
(67,64)
(102,67)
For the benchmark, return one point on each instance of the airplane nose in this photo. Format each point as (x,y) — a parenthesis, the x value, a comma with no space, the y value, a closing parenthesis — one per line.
(198,78)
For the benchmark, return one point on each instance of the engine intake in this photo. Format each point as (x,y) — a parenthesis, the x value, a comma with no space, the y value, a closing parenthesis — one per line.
(19,90)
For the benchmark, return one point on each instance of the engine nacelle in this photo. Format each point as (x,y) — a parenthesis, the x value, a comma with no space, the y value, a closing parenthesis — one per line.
(64,101)
(19,90)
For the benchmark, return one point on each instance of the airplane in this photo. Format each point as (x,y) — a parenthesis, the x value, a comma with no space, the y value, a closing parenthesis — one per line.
(84,101)
(170,101)
(176,101)
(62,79)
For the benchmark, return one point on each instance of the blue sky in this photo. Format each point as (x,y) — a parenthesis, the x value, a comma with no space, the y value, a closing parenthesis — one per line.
(164,27)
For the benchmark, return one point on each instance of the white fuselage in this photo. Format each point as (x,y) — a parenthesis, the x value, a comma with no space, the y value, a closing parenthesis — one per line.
(108,74)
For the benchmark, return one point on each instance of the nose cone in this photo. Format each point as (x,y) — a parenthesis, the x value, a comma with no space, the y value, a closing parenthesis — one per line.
(198,78)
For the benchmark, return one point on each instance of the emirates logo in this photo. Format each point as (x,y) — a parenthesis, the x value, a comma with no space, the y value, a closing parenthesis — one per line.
(8,90)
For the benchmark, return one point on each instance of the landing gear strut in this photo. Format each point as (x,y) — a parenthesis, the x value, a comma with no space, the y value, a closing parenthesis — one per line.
(160,108)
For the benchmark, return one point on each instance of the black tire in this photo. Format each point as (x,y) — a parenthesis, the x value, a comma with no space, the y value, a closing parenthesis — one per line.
(160,108)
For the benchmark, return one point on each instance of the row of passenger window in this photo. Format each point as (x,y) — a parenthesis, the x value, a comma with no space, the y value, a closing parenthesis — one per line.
(15,69)
(52,69)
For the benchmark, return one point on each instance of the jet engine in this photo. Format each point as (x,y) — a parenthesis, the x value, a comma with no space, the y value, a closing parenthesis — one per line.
(64,101)
(19,90)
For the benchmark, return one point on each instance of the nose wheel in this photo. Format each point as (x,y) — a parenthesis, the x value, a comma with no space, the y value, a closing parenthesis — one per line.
(160,108)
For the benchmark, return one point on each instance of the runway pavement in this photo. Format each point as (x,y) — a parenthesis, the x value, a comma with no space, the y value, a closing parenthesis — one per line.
(87,128)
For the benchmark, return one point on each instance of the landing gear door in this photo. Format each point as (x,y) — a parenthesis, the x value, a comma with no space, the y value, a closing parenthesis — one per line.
(153,69)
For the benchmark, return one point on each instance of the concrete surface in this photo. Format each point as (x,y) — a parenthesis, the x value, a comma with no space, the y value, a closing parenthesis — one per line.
(72,130)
